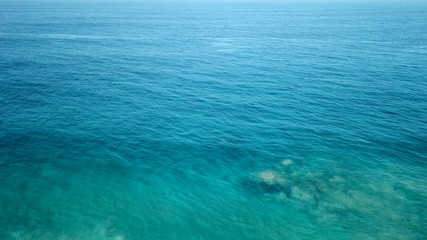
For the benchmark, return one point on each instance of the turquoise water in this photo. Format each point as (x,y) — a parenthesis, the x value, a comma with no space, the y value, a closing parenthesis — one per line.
(213,121)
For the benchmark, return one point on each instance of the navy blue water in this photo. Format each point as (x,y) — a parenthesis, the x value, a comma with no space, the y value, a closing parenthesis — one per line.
(213,121)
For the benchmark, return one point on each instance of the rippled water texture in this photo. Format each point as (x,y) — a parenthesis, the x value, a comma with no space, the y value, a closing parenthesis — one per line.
(213,121)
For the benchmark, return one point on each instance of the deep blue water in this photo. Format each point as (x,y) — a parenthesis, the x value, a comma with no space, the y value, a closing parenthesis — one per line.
(213,121)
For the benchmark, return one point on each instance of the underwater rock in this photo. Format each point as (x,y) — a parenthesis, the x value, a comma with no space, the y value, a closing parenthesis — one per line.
(302,195)
(270,177)
(336,179)
(268,182)
(318,190)
(331,196)
(322,186)
(286,181)
(287,162)
(118,237)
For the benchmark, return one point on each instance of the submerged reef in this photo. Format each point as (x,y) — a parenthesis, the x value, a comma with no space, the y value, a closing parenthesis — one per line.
(287,181)
(332,197)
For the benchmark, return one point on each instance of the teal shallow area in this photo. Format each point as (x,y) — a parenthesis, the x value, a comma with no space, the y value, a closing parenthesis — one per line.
(213,121)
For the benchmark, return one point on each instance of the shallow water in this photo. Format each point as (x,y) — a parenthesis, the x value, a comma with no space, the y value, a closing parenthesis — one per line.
(213,121)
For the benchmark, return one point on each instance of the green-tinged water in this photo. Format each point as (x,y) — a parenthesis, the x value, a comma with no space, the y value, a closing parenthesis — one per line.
(213,121)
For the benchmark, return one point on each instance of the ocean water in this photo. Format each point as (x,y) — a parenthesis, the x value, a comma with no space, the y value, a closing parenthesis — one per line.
(128,121)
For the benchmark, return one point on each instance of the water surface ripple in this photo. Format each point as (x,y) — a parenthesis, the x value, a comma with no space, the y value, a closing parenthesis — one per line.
(213,121)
